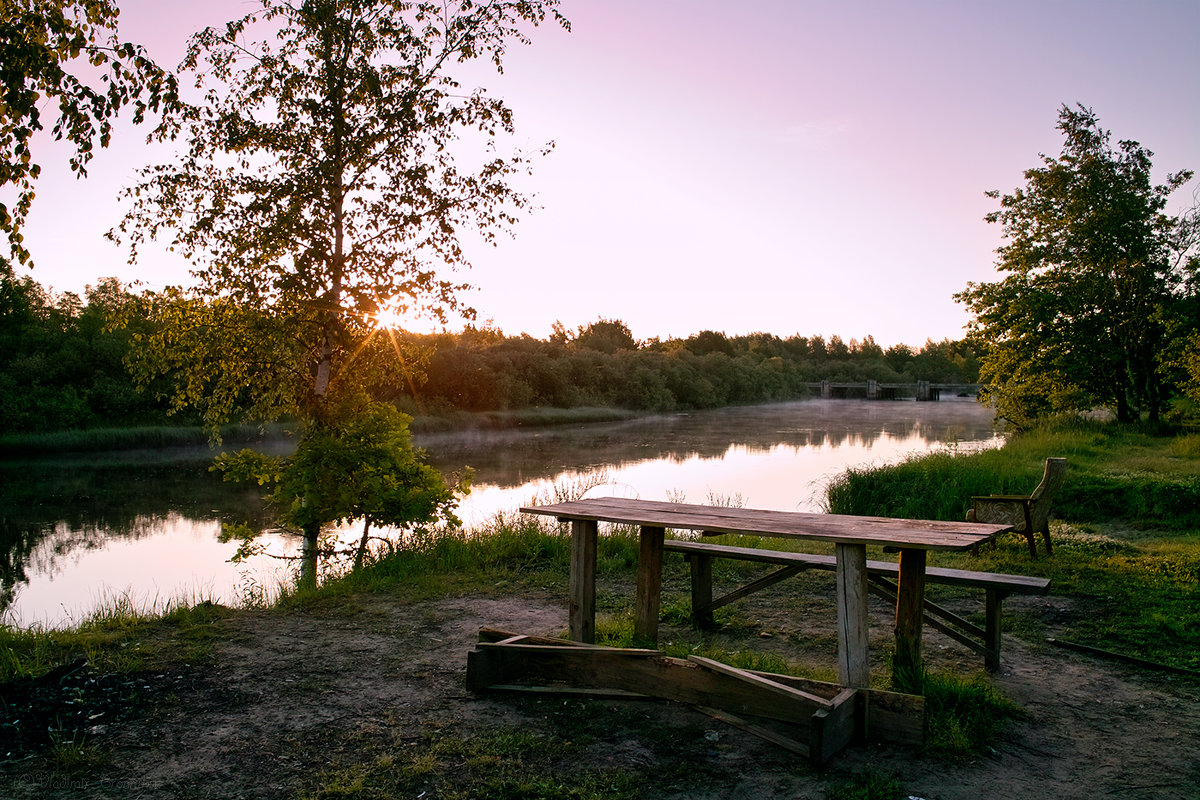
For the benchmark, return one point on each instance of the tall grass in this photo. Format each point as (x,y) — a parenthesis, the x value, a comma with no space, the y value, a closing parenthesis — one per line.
(1114,473)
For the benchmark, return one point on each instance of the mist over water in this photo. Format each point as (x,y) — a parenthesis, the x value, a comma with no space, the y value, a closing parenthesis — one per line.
(77,534)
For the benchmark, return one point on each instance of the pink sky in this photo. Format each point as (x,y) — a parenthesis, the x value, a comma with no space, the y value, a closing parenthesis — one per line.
(769,165)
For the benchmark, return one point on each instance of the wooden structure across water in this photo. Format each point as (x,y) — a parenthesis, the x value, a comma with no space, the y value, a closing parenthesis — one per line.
(874,390)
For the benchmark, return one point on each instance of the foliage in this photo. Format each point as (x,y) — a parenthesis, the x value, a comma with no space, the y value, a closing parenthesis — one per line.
(356,463)
(60,50)
(1100,291)
(484,370)
(323,173)
(61,362)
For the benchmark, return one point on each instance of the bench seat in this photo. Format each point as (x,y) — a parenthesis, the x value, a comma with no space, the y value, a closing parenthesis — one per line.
(881,576)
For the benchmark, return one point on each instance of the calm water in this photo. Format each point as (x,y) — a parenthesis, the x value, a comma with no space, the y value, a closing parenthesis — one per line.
(76,534)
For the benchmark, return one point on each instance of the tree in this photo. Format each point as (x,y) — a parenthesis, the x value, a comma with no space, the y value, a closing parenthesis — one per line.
(325,181)
(359,463)
(1099,280)
(40,41)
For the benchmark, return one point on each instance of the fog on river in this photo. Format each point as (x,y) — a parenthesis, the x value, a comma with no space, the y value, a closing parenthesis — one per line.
(78,534)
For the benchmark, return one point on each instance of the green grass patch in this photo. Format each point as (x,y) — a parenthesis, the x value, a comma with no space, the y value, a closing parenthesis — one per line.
(963,715)
(1141,477)
(117,638)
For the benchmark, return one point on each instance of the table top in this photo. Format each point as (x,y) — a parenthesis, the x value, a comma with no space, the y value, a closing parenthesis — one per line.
(917,534)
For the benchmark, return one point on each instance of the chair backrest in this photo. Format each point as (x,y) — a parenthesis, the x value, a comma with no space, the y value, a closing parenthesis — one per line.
(1052,479)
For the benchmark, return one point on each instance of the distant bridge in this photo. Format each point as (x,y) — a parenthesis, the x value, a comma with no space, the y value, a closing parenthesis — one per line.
(874,390)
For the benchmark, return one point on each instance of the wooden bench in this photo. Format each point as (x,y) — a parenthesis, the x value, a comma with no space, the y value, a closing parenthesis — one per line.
(881,576)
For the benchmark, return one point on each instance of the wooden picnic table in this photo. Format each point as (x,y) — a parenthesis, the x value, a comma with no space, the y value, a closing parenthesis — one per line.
(849,534)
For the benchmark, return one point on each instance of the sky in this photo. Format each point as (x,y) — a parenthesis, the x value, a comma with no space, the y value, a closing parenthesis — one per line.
(784,166)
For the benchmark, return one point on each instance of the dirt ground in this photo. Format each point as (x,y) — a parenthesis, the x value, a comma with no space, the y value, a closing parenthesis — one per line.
(292,698)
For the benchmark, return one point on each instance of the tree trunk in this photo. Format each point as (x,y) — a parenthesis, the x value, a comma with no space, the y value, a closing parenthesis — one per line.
(308,556)
(362,544)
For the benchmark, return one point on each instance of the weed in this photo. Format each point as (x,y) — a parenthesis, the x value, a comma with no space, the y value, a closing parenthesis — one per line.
(962,715)
(869,785)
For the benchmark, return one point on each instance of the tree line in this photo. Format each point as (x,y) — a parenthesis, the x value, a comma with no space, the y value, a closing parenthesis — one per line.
(64,364)
(602,364)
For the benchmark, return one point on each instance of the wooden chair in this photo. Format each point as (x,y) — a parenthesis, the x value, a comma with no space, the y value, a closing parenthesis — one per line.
(1028,515)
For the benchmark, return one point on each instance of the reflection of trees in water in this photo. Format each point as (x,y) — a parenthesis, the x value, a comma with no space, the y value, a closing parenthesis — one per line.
(511,458)
(54,509)
(71,506)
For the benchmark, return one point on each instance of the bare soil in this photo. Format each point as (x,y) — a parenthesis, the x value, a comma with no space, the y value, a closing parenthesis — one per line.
(296,704)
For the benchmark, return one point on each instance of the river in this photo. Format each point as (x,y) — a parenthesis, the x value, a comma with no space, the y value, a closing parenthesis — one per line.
(143,528)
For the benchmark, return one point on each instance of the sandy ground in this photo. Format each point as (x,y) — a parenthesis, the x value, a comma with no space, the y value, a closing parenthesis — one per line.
(289,696)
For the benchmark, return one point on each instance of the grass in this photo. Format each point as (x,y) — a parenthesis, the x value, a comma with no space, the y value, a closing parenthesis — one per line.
(1136,475)
(117,638)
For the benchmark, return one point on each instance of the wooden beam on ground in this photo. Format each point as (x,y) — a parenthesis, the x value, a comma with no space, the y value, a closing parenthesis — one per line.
(774,737)
(758,679)
(640,671)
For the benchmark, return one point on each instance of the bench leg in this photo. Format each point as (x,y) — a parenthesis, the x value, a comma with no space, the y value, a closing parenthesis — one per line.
(992,613)
(701,565)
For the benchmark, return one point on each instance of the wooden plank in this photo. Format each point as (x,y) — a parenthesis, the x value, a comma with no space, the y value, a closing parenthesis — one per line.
(1023,584)
(832,729)
(933,611)
(895,717)
(581,601)
(577,649)
(854,667)
(571,691)
(775,738)
(649,584)
(890,716)
(910,614)
(935,623)
(610,668)
(755,586)
(913,534)
(762,682)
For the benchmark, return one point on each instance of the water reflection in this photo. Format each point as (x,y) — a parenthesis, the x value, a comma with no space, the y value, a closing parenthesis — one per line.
(75,532)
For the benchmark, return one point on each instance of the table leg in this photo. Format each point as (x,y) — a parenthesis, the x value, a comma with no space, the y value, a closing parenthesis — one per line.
(910,608)
(854,667)
(581,603)
(649,585)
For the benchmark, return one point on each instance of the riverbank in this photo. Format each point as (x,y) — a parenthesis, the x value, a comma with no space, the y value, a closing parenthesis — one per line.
(166,436)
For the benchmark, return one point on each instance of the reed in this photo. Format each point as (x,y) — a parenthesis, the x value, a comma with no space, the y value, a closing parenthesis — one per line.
(1135,475)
